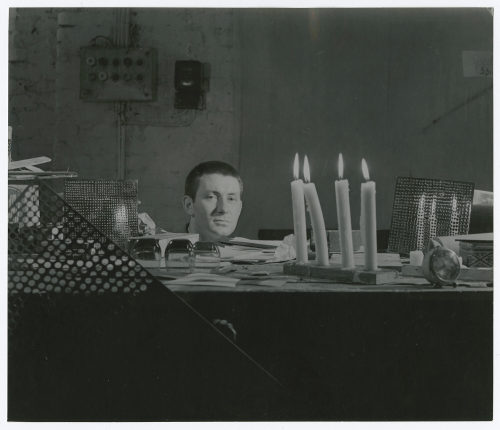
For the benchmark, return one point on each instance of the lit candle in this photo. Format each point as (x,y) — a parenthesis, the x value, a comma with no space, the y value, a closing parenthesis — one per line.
(317,220)
(344,217)
(369,219)
(299,214)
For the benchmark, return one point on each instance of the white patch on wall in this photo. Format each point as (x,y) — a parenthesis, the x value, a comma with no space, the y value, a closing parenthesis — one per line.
(477,64)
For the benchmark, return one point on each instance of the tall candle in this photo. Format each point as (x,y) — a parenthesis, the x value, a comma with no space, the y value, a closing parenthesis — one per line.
(317,220)
(299,214)
(344,217)
(369,219)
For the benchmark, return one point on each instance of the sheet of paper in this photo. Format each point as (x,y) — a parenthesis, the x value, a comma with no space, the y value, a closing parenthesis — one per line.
(253,242)
(204,279)
(237,253)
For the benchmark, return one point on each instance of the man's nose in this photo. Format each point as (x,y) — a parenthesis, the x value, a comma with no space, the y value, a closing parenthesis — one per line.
(221,205)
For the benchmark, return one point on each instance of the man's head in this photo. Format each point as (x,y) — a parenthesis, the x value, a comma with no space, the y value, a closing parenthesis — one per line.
(212,200)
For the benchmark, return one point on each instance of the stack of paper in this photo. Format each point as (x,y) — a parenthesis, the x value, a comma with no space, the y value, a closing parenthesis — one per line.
(245,250)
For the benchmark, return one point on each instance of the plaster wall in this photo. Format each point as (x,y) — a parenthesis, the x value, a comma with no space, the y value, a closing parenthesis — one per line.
(160,144)
(385,84)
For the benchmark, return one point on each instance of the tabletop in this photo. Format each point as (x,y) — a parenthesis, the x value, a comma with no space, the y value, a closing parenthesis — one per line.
(269,278)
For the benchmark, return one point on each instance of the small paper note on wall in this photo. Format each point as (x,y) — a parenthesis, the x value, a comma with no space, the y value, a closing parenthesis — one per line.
(477,64)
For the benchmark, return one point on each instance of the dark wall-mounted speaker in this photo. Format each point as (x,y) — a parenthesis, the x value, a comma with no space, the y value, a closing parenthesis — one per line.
(191,80)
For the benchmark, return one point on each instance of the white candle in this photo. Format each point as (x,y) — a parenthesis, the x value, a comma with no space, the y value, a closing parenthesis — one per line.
(317,220)
(299,214)
(369,219)
(344,217)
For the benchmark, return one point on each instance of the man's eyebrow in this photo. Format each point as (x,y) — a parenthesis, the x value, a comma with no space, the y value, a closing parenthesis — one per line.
(232,193)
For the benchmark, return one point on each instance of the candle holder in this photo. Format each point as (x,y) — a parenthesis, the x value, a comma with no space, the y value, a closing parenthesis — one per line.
(357,275)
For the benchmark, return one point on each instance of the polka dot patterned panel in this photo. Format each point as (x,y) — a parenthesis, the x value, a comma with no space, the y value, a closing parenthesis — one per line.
(54,249)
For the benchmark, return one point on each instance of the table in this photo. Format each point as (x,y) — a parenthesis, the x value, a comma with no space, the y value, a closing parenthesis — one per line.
(303,351)
(93,336)
(385,352)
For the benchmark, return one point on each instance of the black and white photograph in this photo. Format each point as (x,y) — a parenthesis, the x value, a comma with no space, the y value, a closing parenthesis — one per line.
(242,214)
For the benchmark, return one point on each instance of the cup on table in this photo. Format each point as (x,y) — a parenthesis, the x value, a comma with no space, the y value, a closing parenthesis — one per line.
(206,255)
(146,251)
(179,254)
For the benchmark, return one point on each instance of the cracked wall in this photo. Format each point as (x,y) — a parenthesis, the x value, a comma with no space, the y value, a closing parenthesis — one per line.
(32,80)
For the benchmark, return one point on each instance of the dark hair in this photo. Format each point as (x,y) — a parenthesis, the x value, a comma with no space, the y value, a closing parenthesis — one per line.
(207,168)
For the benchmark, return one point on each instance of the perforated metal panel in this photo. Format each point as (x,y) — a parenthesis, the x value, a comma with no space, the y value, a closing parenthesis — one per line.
(109,205)
(65,253)
(426,208)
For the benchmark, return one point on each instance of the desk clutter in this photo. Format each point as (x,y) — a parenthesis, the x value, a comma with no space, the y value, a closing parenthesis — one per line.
(477,251)
(423,209)
(61,250)
(28,169)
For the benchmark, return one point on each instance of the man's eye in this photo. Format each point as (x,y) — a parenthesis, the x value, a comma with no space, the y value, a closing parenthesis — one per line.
(210,196)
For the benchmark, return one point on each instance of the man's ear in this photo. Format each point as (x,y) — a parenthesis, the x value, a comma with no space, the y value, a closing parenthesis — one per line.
(188,204)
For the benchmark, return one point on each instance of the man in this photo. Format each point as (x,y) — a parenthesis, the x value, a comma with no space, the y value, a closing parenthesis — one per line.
(212,200)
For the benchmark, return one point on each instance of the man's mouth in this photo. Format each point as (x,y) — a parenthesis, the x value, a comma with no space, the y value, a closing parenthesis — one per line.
(221,221)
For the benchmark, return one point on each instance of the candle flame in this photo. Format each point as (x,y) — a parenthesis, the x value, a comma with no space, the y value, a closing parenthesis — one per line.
(307,173)
(341,166)
(296,167)
(364,168)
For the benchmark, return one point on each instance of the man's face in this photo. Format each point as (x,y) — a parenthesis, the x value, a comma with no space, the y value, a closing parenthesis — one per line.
(216,207)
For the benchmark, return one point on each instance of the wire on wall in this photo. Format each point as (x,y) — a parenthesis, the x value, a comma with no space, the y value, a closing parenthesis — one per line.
(151,114)
(94,41)
(124,35)
(121,39)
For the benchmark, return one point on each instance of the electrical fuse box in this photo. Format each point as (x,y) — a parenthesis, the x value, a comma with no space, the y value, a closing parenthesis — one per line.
(117,74)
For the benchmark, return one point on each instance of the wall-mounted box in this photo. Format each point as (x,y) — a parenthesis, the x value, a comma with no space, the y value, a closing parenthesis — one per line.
(191,83)
(117,74)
